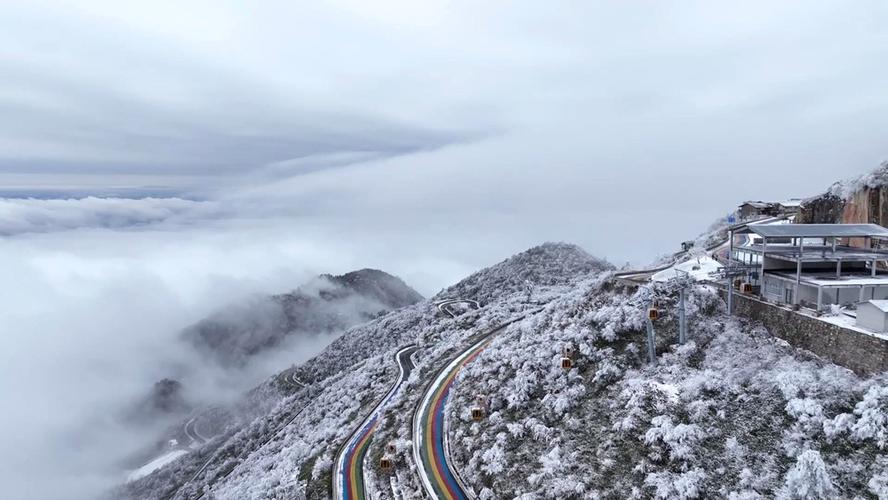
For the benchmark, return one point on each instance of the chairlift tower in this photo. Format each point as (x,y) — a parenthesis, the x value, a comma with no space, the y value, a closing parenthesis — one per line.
(682,320)
(652,354)
(682,311)
(653,315)
(733,270)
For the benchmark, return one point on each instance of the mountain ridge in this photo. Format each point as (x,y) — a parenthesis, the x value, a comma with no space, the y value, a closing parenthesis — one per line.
(610,426)
(326,304)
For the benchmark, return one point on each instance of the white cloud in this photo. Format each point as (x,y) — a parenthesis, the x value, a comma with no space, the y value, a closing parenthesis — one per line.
(19,216)
(91,320)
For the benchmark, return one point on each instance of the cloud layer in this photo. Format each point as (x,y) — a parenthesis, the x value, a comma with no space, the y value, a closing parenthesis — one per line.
(19,216)
(242,148)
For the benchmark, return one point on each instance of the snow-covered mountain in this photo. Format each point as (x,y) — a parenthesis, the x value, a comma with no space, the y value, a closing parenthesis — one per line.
(733,413)
(324,305)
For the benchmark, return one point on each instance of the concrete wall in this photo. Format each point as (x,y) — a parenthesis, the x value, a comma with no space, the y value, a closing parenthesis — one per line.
(862,353)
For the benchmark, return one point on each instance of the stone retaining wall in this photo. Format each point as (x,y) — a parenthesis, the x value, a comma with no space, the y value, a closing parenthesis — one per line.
(862,353)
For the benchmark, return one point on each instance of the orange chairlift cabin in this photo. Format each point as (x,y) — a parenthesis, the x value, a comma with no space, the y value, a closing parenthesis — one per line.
(654,310)
(480,406)
(653,313)
(386,463)
(567,354)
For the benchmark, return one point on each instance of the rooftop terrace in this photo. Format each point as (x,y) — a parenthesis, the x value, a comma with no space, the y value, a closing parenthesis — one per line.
(817,253)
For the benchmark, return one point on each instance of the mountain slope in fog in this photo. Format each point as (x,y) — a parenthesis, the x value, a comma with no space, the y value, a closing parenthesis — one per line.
(300,428)
(326,304)
(733,413)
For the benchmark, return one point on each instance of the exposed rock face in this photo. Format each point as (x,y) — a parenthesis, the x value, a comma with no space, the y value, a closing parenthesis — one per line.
(824,209)
(858,201)
(869,205)
(325,305)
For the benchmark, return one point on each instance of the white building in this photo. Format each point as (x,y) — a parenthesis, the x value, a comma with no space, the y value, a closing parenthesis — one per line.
(873,315)
(813,265)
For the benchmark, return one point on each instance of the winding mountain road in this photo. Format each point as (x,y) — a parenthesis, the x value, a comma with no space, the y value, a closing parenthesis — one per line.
(348,472)
(192,432)
(430,447)
(445,306)
(290,378)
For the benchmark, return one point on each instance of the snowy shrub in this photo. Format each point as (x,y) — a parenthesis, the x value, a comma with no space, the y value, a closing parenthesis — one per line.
(878,484)
(735,450)
(539,431)
(486,494)
(679,439)
(808,479)
(321,465)
(809,421)
(872,416)
(685,485)
(840,424)
(493,459)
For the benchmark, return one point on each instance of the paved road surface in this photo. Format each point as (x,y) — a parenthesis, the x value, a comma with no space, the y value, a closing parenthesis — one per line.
(192,432)
(348,471)
(430,448)
(445,306)
(291,378)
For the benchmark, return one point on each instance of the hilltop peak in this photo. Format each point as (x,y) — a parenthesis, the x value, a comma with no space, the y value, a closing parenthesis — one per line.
(548,264)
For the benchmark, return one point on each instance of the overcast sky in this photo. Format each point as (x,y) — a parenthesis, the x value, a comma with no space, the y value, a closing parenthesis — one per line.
(578,121)
(161,159)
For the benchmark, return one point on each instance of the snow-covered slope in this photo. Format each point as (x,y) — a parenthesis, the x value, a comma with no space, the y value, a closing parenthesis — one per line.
(733,413)
(698,268)
(847,187)
(855,200)
(287,451)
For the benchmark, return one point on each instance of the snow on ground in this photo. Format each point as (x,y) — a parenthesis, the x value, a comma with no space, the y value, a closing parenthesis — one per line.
(850,322)
(155,464)
(697,268)
(289,452)
(731,414)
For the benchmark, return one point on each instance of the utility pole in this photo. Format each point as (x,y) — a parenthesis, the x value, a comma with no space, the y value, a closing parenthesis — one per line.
(682,321)
(730,280)
(730,296)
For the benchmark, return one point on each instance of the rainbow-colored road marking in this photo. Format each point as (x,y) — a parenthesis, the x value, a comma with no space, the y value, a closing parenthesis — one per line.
(353,474)
(348,474)
(429,443)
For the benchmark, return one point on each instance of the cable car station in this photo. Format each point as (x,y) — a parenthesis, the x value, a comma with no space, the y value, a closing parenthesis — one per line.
(814,265)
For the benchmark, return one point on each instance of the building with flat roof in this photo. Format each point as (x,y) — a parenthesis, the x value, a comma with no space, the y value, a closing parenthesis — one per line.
(873,315)
(813,265)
